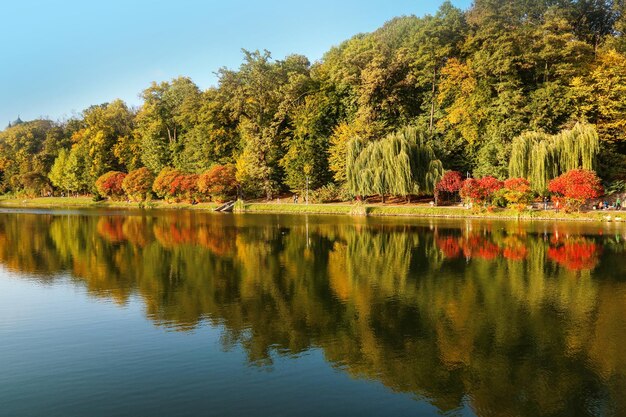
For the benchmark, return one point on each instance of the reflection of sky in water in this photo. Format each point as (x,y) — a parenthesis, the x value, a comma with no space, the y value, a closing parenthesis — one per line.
(283,315)
(65,353)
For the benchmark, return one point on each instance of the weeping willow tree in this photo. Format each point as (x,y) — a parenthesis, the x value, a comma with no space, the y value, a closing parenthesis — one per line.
(540,157)
(401,164)
(427,170)
(353,177)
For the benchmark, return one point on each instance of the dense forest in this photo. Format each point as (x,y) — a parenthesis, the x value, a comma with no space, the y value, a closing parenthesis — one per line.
(459,90)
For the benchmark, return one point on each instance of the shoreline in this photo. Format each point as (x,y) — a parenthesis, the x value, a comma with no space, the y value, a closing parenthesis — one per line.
(374,210)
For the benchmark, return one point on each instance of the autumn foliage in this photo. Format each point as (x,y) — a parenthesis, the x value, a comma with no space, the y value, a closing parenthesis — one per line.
(163,183)
(517,192)
(185,187)
(174,185)
(576,186)
(138,184)
(449,185)
(480,190)
(110,184)
(219,182)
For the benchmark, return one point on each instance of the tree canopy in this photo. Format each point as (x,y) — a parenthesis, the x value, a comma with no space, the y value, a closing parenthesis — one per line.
(498,82)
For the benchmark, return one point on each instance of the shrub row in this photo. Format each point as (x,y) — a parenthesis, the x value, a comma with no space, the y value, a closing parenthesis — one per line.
(217,184)
(569,191)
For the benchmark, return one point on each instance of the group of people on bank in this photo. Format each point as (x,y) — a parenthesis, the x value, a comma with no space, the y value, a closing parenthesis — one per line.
(605,205)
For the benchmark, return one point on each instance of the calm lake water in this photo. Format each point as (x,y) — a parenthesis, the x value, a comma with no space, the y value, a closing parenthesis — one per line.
(180,313)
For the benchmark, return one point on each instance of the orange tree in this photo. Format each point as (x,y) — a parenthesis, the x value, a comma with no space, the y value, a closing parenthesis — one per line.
(576,187)
(138,183)
(185,187)
(517,192)
(109,184)
(163,183)
(172,184)
(219,182)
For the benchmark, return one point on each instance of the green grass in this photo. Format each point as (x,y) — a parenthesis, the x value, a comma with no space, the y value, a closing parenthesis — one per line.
(296,208)
(344,209)
(87,202)
(421,211)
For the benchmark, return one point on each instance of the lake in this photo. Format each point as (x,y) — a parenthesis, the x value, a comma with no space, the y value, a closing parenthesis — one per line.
(127,313)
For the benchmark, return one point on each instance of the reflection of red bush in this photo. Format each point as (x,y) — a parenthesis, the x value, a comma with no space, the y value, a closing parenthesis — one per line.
(515,253)
(487,250)
(480,247)
(213,239)
(111,229)
(218,241)
(449,245)
(473,246)
(577,256)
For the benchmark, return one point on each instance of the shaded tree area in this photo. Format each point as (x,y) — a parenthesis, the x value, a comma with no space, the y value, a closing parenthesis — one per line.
(470,82)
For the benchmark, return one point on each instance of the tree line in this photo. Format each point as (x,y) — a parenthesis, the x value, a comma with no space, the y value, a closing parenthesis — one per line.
(458,90)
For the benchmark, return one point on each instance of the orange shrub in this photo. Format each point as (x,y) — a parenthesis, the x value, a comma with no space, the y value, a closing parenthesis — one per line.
(172,184)
(219,182)
(163,183)
(110,184)
(138,184)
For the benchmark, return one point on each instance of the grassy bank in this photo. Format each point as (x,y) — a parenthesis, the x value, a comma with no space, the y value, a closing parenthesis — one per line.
(88,202)
(338,208)
(425,211)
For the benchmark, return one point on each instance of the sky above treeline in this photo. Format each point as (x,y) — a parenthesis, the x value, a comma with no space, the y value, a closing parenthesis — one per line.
(61,57)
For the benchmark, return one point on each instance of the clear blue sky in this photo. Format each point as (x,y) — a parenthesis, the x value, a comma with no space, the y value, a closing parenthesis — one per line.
(61,56)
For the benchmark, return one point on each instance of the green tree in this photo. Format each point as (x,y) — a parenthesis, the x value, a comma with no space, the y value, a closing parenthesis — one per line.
(58,171)
(402,164)
(169,112)
(539,157)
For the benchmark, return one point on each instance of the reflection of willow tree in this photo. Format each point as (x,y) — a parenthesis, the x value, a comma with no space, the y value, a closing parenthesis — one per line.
(479,312)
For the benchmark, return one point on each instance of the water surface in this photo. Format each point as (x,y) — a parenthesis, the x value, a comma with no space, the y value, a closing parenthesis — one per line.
(178,313)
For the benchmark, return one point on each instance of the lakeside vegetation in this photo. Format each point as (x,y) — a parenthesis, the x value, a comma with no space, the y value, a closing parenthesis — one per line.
(284,207)
(524,91)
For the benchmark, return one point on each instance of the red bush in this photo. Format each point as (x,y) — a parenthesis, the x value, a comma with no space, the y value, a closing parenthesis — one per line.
(480,190)
(185,187)
(450,183)
(576,186)
(110,184)
(219,182)
(517,192)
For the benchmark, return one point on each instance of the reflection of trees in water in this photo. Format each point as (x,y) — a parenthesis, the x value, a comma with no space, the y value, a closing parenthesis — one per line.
(574,253)
(504,317)
(578,254)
